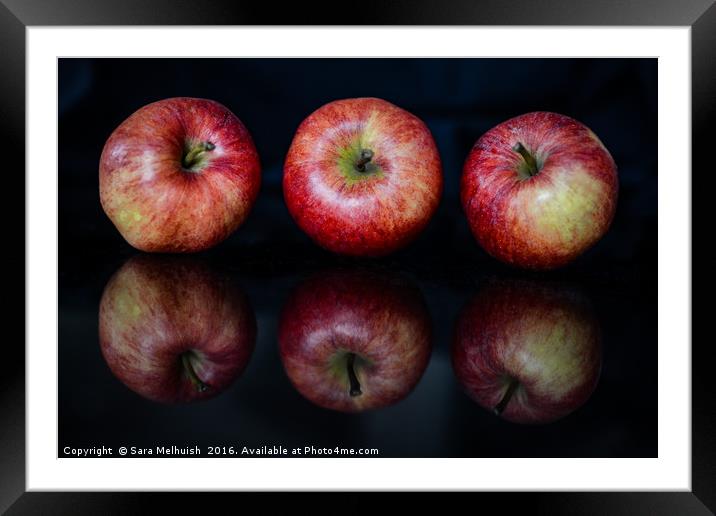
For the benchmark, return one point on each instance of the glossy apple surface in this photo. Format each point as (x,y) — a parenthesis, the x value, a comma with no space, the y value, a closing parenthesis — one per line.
(539,190)
(355,340)
(529,352)
(174,331)
(362,177)
(179,175)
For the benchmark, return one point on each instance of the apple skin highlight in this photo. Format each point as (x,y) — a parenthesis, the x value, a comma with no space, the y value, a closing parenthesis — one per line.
(356,205)
(172,330)
(545,220)
(542,339)
(179,175)
(380,319)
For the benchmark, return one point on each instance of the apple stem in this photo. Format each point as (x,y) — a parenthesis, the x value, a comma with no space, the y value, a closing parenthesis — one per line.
(502,405)
(186,362)
(532,167)
(365,156)
(355,384)
(191,157)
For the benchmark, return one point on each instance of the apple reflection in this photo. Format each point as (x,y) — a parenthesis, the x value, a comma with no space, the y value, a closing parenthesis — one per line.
(529,352)
(174,331)
(355,340)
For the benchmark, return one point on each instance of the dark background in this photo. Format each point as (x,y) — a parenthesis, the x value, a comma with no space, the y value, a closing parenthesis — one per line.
(459,99)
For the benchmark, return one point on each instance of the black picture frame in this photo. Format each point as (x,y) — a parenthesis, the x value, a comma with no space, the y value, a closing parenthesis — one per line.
(17,15)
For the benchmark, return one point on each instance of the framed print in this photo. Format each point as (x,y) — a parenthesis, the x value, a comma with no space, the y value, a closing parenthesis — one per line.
(431,250)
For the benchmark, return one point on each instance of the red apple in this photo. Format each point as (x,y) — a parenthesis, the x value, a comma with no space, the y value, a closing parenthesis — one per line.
(529,352)
(173,331)
(354,340)
(539,190)
(179,175)
(362,177)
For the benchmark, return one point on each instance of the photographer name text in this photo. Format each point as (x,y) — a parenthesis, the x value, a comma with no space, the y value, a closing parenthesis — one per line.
(219,451)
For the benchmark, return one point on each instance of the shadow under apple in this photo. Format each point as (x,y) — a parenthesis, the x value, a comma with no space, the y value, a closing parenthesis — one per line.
(530,352)
(354,340)
(173,330)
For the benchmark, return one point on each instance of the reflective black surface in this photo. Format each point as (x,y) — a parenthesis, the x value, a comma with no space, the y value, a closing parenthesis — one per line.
(269,257)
